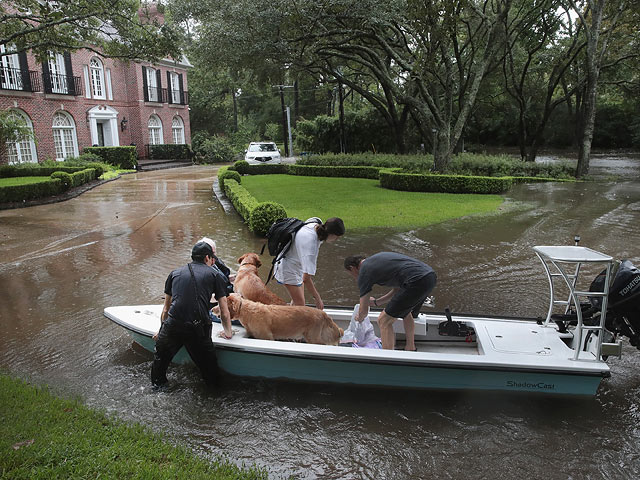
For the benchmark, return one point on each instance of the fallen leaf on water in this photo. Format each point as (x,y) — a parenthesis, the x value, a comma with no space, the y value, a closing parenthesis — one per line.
(23,444)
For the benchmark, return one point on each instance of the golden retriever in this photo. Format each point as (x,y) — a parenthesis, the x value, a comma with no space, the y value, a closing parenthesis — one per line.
(249,284)
(283,322)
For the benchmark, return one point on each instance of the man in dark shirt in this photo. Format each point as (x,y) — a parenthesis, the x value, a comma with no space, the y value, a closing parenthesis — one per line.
(412,282)
(185,319)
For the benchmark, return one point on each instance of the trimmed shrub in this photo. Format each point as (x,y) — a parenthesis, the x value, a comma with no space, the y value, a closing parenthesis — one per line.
(241,166)
(65,178)
(267,169)
(7,171)
(228,174)
(263,215)
(170,151)
(125,157)
(241,199)
(84,176)
(414,182)
(19,193)
(330,171)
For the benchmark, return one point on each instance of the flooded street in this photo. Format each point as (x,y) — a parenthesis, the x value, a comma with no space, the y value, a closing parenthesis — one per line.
(62,264)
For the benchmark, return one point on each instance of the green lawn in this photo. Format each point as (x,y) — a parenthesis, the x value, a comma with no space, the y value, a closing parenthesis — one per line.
(362,203)
(45,437)
(7,182)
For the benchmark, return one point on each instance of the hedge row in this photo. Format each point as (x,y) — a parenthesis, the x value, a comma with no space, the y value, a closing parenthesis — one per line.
(391,178)
(7,171)
(414,182)
(469,164)
(244,168)
(170,151)
(60,182)
(329,171)
(125,157)
(258,215)
(18,193)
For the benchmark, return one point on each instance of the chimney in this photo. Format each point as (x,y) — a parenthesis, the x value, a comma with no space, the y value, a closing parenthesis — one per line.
(151,11)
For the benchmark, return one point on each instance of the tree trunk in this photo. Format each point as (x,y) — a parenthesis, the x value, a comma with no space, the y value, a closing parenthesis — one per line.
(442,150)
(593,71)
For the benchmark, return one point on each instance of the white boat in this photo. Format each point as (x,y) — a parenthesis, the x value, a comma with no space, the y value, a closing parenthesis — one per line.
(560,356)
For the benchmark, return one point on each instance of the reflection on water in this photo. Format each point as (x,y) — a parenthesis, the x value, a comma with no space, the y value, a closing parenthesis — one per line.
(61,264)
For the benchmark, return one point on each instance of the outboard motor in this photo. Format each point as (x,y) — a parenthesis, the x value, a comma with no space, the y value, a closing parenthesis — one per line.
(623,307)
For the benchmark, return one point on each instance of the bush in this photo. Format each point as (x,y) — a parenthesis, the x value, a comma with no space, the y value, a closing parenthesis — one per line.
(7,171)
(342,171)
(241,166)
(414,182)
(125,157)
(267,169)
(263,216)
(19,193)
(241,199)
(213,150)
(224,174)
(170,151)
(65,178)
(424,162)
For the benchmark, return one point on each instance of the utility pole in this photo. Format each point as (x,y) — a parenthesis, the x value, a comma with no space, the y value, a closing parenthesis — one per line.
(286,131)
(343,146)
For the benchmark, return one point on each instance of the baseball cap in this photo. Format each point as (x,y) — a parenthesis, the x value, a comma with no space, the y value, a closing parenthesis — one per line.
(201,249)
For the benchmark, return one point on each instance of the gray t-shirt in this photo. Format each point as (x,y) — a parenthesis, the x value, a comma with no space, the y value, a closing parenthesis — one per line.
(391,270)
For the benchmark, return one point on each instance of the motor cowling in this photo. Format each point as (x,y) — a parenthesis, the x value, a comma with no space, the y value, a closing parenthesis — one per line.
(623,307)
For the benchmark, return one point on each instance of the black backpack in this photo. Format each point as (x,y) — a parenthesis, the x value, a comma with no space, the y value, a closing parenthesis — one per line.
(279,238)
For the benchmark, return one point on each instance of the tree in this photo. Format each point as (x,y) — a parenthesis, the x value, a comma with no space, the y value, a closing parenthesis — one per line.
(591,14)
(112,28)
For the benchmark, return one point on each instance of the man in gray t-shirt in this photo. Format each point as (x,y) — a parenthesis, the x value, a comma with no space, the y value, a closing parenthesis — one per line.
(411,280)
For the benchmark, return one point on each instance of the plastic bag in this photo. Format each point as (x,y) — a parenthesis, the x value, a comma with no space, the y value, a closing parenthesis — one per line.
(361,334)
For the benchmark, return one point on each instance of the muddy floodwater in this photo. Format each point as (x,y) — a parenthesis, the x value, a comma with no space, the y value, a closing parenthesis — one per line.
(62,264)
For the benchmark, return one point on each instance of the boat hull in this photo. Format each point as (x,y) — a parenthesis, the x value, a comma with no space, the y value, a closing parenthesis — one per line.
(309,369)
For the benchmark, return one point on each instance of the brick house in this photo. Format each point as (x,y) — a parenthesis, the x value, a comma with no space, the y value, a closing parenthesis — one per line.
(81,99)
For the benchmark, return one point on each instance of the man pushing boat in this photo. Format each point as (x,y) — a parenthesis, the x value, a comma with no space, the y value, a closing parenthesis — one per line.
(411,280)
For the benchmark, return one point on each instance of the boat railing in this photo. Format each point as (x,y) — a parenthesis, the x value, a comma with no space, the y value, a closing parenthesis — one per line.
(558,262)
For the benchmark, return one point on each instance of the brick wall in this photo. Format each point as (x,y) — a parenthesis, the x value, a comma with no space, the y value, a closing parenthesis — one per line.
(128,102)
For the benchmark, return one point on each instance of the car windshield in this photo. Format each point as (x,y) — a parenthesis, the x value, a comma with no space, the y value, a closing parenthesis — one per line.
(262,147)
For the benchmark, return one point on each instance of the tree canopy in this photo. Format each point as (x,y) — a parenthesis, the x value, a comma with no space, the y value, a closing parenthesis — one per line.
(113,28)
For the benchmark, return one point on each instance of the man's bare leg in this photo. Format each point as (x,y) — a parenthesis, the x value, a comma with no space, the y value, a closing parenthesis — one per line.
(387,335)
(409,331)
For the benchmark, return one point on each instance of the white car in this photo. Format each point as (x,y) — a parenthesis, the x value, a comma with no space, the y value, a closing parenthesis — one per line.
(262,152)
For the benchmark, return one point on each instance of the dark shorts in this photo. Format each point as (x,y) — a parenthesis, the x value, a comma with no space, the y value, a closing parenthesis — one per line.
(411,299)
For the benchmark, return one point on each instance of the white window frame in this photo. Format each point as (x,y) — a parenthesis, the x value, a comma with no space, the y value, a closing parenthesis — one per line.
(155,130)
(57,70)
(175,87)
(11,66)
(152,85)
(96,72)
(65,138)
(23,150)
(177,130)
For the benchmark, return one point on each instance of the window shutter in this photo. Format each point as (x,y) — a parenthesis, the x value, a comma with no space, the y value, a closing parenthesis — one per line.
(46,76)
(24,71)
(71,85)
(145,86)
(170,88)
(182,102)
(159,86)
